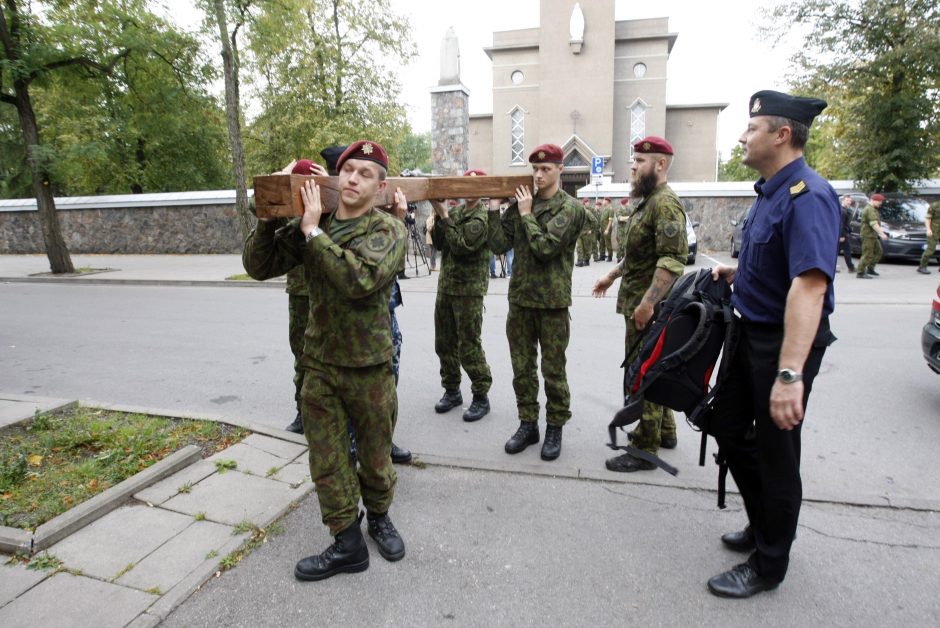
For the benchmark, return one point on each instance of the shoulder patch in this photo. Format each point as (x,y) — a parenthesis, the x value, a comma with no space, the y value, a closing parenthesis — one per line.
(671,229)
(377,246)
(798,188)
(559,224)
(475,228)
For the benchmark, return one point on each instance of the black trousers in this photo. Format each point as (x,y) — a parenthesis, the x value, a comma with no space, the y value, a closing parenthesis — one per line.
(845,248)
(763,459)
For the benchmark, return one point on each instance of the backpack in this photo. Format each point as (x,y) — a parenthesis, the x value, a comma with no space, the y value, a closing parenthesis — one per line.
(677,357)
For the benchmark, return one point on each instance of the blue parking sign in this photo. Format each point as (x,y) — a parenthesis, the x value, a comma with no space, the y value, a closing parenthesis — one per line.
(597,165)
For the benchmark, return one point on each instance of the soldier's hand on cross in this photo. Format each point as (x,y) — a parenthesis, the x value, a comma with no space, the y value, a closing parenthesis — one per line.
(310,193)
(524,200)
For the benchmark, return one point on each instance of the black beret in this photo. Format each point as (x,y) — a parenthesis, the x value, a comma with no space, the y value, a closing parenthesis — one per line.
(330,155)
(770,103)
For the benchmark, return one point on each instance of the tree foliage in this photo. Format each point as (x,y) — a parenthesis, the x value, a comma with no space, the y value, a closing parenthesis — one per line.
(734,170)
(877,63)
(323,78)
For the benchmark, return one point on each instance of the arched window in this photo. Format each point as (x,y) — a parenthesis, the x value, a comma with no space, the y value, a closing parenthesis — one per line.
(517,140)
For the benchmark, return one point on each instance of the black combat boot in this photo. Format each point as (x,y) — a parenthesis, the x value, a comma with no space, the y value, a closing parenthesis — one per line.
(297,427)
(551,448)
(871,271)
(610,258)
(450,400)
(626,463)
(527,434)
(478,409)
(399,455)
(383,532)
(347,554)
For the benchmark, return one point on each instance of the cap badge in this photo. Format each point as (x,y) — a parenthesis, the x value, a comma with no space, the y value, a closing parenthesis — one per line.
(367,149)
(541,154)
(646,145)
(473,174)
(756,106)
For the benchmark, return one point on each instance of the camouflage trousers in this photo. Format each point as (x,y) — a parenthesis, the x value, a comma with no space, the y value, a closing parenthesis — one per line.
(657,422)
(298,309)
(586,246)
(604,247)
(458,327)
(608,244)
(333,398)
(528,330)
(621,242)
(931,249)
(871,254)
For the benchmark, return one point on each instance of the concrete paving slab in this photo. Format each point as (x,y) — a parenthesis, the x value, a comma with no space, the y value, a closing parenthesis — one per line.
(295,474)
(179,556)
(275,446)
(13,540)
(16,408)
(16,580)
(234,497)
(163,490)
(250,459)
(120,538)
(68,601)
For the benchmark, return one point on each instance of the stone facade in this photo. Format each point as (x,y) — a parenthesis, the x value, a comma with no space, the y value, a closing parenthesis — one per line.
(191,229)
(450,132)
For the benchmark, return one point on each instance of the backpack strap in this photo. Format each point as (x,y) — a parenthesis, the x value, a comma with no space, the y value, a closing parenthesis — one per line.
(722,478)
(645,455)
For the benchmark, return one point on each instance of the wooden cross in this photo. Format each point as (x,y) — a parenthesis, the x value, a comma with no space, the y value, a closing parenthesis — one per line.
(278,195)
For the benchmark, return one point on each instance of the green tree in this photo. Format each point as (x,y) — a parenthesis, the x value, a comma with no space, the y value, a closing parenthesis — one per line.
(877,63)
(324,78)
(734,170)
(415,151)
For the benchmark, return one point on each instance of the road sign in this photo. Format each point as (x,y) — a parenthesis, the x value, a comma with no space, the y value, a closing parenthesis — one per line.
(597,165)
(597,179)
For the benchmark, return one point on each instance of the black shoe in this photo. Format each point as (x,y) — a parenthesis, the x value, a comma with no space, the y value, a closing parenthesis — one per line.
(923,270)
(527,434)
(664,442)
(478,409)
(587,262)
(551,448)
(383,532)
(578,264)
(297,427)
(347,554)
(402,275)
(740,541)
(628,464)
(740,581)
(871,271)
(863,275)
(492,275)
(450,400)
(851,269)
(399,455)
(610,258)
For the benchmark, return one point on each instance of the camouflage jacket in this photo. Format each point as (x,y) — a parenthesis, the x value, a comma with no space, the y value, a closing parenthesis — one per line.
(296,282)
(461,239)
(933,216)
(544,243)
(349,283)
(622,219)
(869,215)
(605,218)
(654,238)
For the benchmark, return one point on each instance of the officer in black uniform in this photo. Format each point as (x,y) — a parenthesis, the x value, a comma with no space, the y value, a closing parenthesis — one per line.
(783,295)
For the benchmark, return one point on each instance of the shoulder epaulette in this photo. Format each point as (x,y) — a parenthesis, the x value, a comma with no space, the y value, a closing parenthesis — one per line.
(798,188)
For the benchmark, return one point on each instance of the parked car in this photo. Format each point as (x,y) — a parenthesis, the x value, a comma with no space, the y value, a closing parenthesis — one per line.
(737,234)
(693,240)
(930,339)
(902,219)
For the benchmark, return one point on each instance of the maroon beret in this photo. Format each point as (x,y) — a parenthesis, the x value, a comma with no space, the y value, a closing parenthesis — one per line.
(474,173)
(364,149)
(653,144)
(877,197)
(624,201)
(303,166)
(547,153)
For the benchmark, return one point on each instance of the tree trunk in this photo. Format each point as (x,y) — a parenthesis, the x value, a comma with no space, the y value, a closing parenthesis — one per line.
(233,116)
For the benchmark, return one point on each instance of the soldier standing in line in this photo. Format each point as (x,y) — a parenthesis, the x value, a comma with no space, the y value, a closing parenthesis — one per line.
(461,236)
(621,220)
(597,212)
(350,264)
(872,234)
(586,240)
(606,227)
(656,247)
(543,230)
(932,222)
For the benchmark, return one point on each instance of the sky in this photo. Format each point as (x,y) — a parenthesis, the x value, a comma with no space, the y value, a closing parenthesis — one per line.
(717,58)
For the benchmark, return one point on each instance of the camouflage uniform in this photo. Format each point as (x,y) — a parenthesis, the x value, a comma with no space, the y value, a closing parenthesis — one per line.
(606,215)
(298,307)
(871,242)
(933,215)
(621,220)
(348,352)
(586,240)
(458,311)
(655,238)
(539,298)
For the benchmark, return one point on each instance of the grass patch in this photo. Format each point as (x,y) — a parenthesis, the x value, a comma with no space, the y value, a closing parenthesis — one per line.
(58,460)
(239,277)
(225,465)
(259,536)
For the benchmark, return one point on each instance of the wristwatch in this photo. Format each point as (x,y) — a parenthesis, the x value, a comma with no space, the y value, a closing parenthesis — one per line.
(789,376)
(313,233)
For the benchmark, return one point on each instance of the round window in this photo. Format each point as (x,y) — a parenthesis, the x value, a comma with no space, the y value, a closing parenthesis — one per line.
(517,77)
(639,70)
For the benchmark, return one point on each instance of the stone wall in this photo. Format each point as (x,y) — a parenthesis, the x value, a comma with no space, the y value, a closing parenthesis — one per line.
(192,229)
(450,130)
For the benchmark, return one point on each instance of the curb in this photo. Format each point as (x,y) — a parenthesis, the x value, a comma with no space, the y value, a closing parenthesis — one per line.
(145,282)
